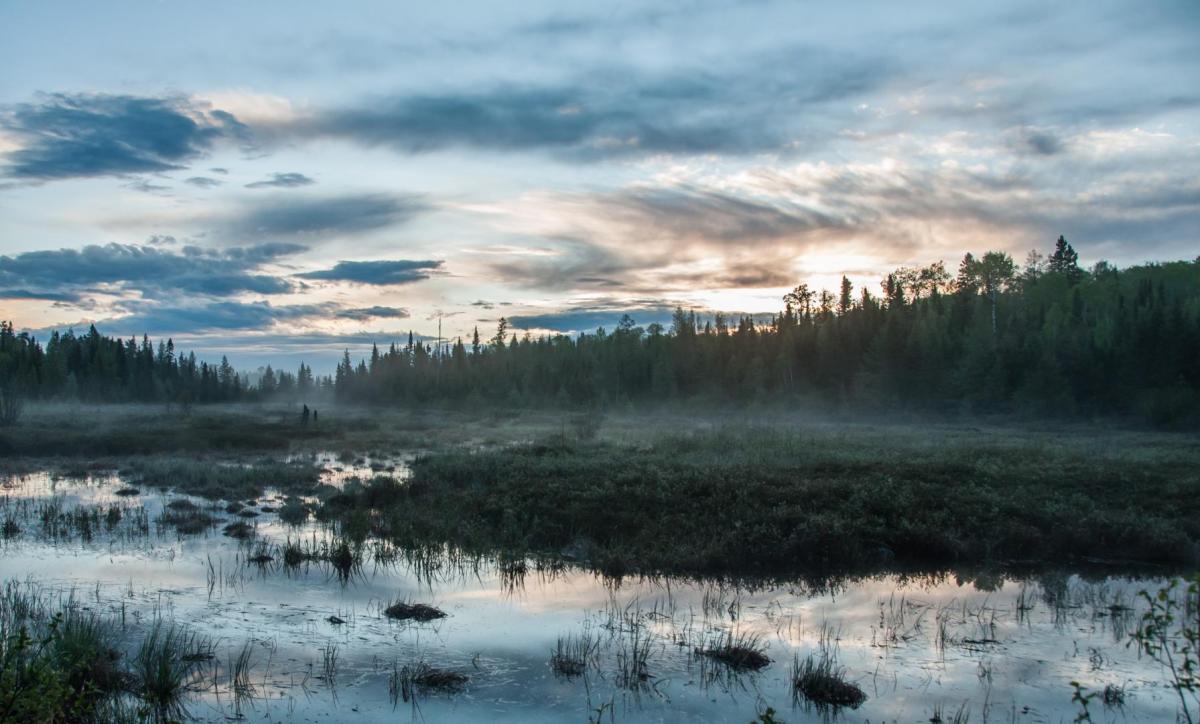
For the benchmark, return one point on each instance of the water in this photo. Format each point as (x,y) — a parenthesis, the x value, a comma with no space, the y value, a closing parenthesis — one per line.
(915,645)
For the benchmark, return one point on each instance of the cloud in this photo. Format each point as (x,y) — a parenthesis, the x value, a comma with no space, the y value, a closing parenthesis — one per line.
(63,135)
(1036,142)
(222,315)
(146,186)
(321,216)
(365,313)
(203,182)
(38,294)
(289,180)
(397,271)
(149,270)
(613,111)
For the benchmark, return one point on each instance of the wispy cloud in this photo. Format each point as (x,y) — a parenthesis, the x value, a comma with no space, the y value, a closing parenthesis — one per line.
(288,180)
(361,314)
(315,216)
(385,272)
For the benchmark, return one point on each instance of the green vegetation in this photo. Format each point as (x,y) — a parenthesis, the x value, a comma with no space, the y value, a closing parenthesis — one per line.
(779,500)
(1169,633)
(60,662)
(1049,339)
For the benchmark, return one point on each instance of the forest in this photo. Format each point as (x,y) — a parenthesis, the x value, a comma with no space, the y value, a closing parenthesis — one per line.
(1044,338)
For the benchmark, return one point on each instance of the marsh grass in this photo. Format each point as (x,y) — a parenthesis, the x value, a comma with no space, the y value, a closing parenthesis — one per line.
(223,480)
(633,658)
(329,663)
(59,662)
(294,512)
(407,610)
(239,530)
(420,677)
(739,651)
(770,501)
(573,654)
(186,517)
(164,665)
(819,679)
(239,667)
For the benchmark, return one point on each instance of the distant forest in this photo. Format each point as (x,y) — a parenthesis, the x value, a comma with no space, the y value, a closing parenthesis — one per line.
(1045,338)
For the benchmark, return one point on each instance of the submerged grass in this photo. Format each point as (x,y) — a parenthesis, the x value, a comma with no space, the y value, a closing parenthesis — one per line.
(766,500)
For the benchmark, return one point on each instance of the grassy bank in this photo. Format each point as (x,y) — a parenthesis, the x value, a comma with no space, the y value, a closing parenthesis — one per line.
(773,500)
(60,662)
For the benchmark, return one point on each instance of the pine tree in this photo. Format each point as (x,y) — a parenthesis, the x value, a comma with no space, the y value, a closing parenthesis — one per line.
(1065,261)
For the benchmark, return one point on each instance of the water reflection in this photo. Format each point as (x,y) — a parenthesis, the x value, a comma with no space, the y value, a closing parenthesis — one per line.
(296,614)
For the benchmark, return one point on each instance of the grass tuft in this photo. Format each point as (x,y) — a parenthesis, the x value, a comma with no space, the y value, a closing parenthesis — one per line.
(405,610)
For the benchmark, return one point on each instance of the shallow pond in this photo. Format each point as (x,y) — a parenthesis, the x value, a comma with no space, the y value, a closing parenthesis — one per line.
(321,648)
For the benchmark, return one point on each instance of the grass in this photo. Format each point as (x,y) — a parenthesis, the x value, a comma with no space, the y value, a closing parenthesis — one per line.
(239,530)
(741,652)
(59,662)
(775,501)
(164,665)
(573,654)
(329,663)
(820,680)
(222,480)
(633,658)
(405,610)
(239,671)
(423,678)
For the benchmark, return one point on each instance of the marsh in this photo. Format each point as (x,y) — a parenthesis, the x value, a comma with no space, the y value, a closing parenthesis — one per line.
(534,565)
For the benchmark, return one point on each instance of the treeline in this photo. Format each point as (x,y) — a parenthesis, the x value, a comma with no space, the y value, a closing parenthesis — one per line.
(1045,338)
(97,368)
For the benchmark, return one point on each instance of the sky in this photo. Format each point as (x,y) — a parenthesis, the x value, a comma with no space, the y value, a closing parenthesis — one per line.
(278,181)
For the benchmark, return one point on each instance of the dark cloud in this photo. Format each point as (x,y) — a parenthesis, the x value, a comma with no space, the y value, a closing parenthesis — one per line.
(322,216)
(203,182)
(365,313)
(1036,142)
(42,295)
(396,271)
(222,315)
(80,135)
(218,169)
(288,180)
(151,270)
(615,111)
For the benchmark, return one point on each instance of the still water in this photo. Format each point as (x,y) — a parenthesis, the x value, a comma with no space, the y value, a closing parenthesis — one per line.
(919,646)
